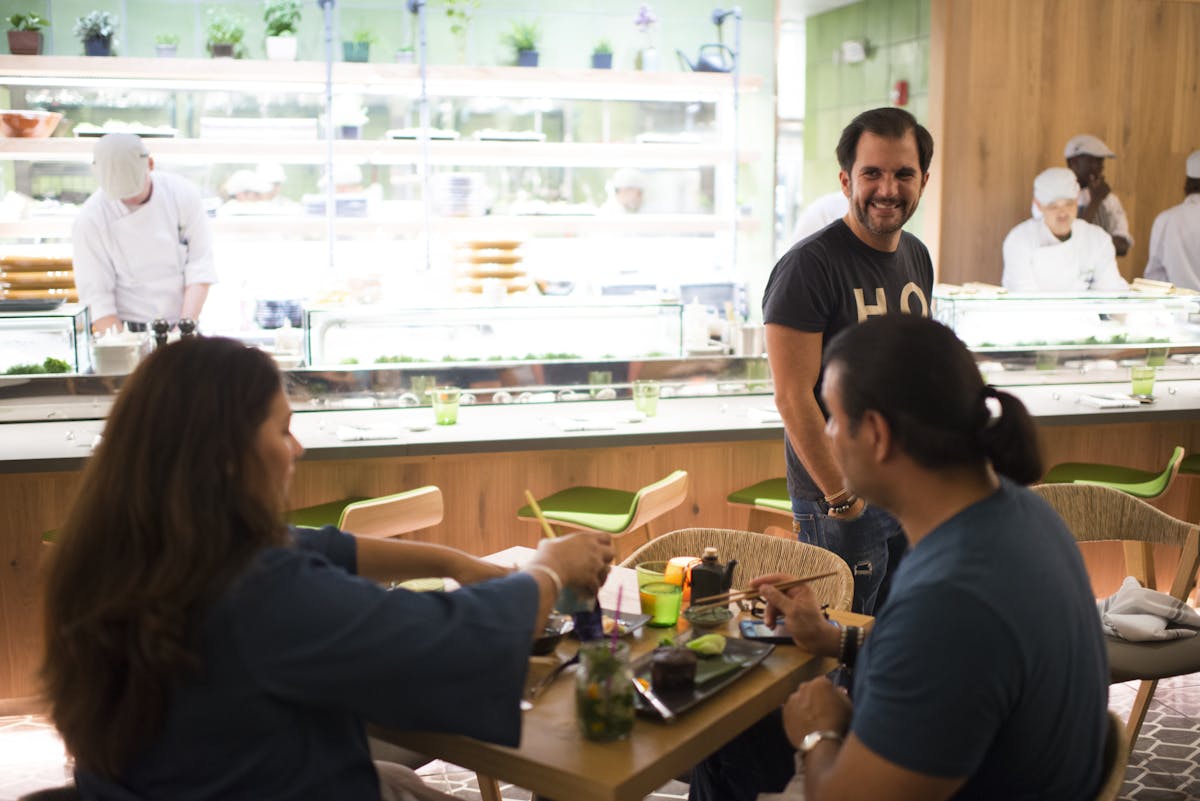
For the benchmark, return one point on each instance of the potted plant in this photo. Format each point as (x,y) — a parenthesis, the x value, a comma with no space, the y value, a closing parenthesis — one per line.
(358,48)
(602,55)
(96,29)
(224,33)
(644,20)
(166,45)
(25,34)
(460,13)
(283,20)
(524,38)
(405,54)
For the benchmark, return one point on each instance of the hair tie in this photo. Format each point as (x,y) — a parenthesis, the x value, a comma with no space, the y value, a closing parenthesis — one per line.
(991,405)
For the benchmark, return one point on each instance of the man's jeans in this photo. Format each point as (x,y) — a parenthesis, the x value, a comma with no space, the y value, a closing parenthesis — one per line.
(862,543)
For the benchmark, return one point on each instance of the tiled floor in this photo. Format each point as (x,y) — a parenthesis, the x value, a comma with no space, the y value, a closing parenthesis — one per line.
(1165,765)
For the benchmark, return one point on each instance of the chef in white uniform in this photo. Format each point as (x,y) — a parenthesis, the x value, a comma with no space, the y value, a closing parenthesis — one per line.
(1175,237)
(142,244)
(1059,252)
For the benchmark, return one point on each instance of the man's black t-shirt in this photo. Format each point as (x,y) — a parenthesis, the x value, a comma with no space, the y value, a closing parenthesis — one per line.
(833,280)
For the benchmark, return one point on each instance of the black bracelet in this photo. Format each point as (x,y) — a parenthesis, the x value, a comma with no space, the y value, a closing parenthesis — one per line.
(844,506)
(852,637)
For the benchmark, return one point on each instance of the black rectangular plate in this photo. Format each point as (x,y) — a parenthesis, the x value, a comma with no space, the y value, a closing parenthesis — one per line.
(739,657)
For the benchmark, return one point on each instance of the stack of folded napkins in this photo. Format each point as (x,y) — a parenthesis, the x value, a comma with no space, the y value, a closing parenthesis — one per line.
(1137,614)
(356,433)
(582,424)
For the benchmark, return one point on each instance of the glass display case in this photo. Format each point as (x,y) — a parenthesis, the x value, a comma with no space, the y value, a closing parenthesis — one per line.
(1062,338)
(372,335)
(28,339)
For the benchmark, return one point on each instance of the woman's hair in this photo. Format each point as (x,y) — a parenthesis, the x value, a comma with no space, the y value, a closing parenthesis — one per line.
(171,507)
(925,383)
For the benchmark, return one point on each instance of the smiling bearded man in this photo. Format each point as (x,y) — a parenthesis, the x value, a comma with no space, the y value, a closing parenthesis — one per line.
(857,267)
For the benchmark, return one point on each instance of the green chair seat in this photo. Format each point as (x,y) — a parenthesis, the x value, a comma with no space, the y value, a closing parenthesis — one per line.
(596,508)
(769,494)
(323,514)
(1139,483)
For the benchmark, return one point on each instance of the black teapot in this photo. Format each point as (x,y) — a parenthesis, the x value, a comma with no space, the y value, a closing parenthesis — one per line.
(710,577)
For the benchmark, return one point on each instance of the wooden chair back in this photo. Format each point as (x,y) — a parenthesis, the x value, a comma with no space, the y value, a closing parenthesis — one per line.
(393,515)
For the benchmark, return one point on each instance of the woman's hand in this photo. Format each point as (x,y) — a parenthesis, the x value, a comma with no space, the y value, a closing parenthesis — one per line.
(801,614)
(580,560)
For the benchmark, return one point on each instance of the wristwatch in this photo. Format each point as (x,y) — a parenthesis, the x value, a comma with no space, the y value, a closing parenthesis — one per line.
(813,737)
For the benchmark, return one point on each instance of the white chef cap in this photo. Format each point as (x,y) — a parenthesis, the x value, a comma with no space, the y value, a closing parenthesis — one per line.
(1193,164)
(627,177)
(120,163)
(271,172)
(245,181)
(1056,183)
(1087,145)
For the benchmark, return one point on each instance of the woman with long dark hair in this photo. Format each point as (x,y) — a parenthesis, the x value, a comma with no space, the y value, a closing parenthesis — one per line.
(985,674)
(196,648)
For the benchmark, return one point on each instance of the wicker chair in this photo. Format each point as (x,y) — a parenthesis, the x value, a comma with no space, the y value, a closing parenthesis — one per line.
(1097,513)
(1116,755)
(757,555)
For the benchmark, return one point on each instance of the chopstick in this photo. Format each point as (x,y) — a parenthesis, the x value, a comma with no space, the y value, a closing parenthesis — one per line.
(537,512)
(729,597)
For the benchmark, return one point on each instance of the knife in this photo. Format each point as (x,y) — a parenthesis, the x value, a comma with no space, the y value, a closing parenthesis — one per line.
(643,688)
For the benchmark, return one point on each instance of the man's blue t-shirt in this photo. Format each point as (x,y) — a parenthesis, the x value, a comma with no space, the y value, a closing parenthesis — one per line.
(298,652)
(988,660)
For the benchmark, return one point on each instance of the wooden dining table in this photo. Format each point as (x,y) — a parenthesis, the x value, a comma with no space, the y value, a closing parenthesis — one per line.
(554,760)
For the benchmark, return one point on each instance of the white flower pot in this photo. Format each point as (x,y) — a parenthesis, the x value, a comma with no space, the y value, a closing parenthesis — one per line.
(281,48)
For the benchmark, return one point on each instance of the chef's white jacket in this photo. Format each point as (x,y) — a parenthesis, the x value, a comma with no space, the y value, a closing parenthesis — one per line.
(135,263)
(1175,245)
(1036,261)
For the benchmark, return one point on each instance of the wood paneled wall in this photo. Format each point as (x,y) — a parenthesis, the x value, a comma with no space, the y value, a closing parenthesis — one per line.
(1013,80)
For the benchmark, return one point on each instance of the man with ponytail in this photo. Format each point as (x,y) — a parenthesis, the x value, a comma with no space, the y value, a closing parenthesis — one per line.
(985,675)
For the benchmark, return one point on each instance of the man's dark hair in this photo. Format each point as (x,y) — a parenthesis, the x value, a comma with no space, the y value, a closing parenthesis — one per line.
(889,122)
(922,379)
(1191,186)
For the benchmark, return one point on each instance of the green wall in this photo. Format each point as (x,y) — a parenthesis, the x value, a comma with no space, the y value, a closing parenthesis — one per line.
(897,34)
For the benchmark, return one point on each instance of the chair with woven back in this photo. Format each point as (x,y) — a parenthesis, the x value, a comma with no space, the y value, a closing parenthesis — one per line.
(1116,755)
(1099,513)
(756,555)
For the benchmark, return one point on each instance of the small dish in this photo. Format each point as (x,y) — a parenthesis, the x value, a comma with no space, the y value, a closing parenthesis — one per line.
(557,627)
(708,618)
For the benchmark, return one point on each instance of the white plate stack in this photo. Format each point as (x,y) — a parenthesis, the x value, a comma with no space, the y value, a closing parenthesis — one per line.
(491,267)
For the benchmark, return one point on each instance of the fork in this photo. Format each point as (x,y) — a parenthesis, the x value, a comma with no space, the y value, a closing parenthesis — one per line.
(536,689)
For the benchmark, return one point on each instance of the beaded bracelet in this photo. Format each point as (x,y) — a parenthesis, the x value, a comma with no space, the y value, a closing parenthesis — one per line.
(844,506)
(852,640)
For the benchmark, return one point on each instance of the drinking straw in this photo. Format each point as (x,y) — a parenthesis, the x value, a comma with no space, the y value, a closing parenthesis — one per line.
(616,621)
(537,512)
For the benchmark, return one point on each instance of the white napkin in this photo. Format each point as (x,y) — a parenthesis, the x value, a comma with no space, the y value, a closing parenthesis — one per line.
(1109,401)
(763,415)
(1137,614)
(582,424)
(356,433)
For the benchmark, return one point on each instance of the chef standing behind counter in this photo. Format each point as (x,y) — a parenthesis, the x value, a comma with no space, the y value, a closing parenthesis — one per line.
(142,245)
(1059,252)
